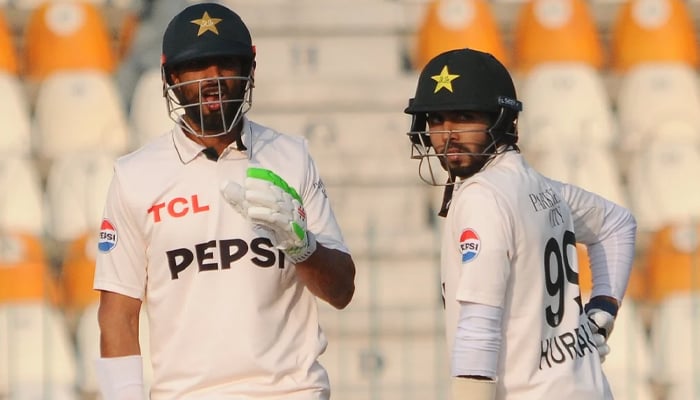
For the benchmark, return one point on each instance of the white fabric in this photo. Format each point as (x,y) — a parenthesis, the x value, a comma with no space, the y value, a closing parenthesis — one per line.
(120,378)
(478,341)
(509,242)
(472,389)
(226,315)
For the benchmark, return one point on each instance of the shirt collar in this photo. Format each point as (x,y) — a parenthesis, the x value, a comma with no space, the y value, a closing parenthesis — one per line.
(188,149)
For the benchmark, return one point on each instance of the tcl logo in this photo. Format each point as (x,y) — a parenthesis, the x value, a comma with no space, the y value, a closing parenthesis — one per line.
(177,208)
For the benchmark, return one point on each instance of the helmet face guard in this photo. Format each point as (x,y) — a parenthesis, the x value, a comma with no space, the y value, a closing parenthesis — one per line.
(433,167)
(206,31)
(462,80)
(231,110)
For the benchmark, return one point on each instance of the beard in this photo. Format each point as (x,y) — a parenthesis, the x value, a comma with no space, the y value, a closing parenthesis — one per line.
(214,121)
(471,161)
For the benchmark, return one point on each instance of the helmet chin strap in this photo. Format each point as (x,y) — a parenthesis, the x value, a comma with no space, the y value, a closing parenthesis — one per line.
(446,198)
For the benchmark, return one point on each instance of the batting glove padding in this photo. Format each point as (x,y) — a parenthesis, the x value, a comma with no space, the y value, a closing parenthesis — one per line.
(269,202)
(601,319)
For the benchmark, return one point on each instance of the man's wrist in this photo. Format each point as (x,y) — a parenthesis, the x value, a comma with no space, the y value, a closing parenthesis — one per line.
(464,388)
(121,378)
(604,303)
(300,254)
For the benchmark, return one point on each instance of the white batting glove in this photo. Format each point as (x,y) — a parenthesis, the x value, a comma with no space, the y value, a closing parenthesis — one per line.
(267,201)
(601,319)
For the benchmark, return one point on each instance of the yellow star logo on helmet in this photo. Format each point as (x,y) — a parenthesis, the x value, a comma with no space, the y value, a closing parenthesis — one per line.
(444,80)
(206,23)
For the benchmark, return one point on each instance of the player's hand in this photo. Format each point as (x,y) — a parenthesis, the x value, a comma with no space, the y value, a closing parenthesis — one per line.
(267,201)
(601,312)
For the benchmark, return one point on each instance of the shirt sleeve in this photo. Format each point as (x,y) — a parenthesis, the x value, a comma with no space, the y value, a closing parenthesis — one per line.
(609,232)
(483,241)
(121,259)
(320,217)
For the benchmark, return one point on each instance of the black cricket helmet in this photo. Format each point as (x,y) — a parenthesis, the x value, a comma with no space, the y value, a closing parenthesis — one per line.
(205,31)
(463,80)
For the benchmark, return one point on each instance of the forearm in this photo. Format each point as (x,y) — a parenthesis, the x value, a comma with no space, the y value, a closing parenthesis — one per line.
(118,318)
(330,275)
(611,260)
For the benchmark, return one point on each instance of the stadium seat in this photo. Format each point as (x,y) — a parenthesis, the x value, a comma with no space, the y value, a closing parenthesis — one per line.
(387,366)
(27,5)
(628,366)
(76,189)
(409,306)
(556,31)
(594,169)
(672,260)
(308,94)
(675,332)
(36,354)
(452,24)
(339,17)
(652,94)
(8,52)
(78,112)
(343,142)
(63,36)
(22,198)
(385,219)
(16,117)
(358,56)
(653,31)
(658,180)
(148,113)
(565,106)
(145,49)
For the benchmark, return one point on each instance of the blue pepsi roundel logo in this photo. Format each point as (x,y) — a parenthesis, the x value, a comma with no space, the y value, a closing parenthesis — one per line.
(108,237)
(469,244)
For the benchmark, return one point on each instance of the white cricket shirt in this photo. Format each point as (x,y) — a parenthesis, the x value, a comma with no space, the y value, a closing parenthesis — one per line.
(228,318)
(509,242)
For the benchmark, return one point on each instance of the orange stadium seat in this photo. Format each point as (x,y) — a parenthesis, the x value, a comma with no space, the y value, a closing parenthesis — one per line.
(8,52)
(653,31)
(77,274)
(37,353)
(66,35)
(24,273)
(673,261)
(451,24)
(556,31)
(558,58)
